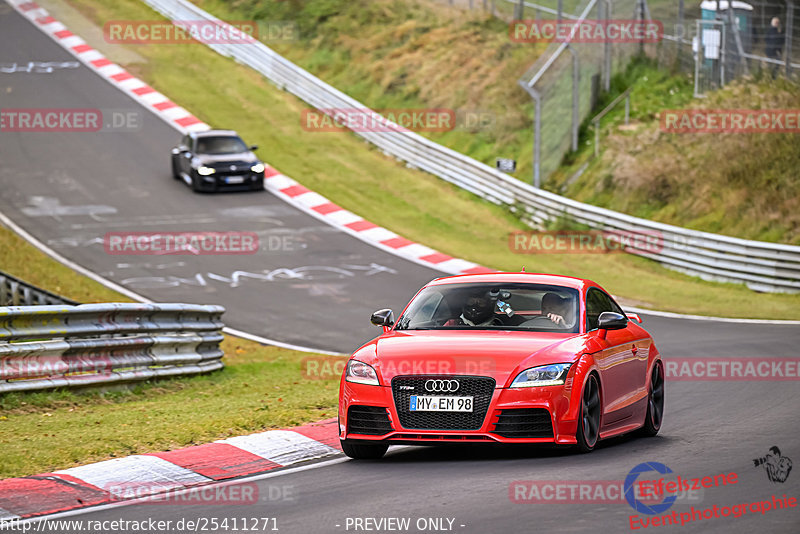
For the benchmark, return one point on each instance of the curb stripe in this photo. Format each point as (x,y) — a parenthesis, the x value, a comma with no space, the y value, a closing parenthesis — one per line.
(283,447)
(218,461)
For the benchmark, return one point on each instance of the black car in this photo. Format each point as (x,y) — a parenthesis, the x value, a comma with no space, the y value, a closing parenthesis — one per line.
(215,160)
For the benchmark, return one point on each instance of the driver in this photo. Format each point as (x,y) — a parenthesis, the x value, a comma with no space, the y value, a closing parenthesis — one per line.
(477,311)
(558,310)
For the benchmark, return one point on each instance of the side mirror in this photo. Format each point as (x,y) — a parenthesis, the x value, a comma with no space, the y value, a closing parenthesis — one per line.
(612,321)
(382,318)
(253,147)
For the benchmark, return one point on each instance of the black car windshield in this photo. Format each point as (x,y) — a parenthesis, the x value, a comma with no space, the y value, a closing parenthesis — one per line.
(229,144)
(495,306)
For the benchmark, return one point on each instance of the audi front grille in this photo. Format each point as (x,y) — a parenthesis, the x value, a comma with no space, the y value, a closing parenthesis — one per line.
(480,388)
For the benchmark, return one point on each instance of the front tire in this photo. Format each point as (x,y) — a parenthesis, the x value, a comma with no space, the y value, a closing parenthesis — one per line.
(655,403)
(589,416)
(363,451)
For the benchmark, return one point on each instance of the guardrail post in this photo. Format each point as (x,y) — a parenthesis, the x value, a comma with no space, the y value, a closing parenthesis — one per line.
(628,109)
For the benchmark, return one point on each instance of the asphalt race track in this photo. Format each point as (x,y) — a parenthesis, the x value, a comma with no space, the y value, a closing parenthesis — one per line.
(69,189)
(309,285)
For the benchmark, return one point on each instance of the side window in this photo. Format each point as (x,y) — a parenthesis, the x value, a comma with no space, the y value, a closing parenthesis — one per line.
(598,302)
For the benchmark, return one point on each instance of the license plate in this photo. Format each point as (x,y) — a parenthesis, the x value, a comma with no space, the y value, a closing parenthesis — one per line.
(234,179)
(427,403)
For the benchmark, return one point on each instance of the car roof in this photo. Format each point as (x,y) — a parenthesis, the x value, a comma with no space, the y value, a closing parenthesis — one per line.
(521,277)
(214,133)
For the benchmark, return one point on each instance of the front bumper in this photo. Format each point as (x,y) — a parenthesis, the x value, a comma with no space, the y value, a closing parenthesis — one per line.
(505,404)
(219,181)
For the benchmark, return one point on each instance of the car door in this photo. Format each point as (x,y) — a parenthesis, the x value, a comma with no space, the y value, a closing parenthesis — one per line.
(618,362)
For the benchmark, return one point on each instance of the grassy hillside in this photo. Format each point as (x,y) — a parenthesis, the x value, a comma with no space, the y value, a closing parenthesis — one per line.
(745,185)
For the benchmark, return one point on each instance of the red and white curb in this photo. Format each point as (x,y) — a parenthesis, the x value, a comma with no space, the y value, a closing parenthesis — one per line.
(282,186)
(142,475)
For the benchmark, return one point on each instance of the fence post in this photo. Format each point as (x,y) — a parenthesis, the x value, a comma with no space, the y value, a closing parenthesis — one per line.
(596,125)
(576,79)
(737,38)
(682,30)
(787,59)
(607,48)
(560,10)
(519,10)
(537,140)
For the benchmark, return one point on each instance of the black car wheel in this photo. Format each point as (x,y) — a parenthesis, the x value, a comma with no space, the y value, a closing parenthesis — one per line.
(655,403)
(589,416)
(363,451)
(175,173)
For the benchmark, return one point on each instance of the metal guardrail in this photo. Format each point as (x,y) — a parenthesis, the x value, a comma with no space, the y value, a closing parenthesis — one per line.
(16,292)
(45,347)
(760,265)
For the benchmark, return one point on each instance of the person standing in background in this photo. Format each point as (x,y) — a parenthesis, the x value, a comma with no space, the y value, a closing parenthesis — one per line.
(774,44)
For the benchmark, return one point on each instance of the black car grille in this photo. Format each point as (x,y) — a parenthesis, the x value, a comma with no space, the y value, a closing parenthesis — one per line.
(524,423)
(369,420)
(480,388)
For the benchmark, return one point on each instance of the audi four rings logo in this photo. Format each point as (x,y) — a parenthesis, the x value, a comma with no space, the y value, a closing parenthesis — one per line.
(449,386)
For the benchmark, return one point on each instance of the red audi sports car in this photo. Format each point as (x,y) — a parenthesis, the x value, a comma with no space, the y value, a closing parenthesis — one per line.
(502,358)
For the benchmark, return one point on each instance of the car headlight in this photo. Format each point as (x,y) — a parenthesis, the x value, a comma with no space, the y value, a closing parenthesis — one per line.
(205,171)
(258,167)
(544,375)
(361,373)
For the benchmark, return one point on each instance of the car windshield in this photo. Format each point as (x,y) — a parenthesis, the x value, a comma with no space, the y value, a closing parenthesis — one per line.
(496,306)
(229,144)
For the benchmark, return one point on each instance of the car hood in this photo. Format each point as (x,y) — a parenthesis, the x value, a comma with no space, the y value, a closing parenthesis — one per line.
(245,159)
(499,354)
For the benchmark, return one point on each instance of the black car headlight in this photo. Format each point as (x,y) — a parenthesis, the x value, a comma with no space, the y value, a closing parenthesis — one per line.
(202,170)
(543,375)
(361,373)
(257,168)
